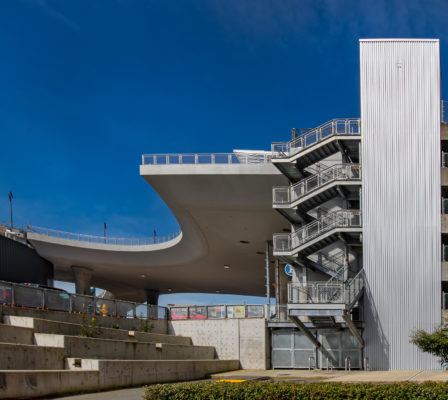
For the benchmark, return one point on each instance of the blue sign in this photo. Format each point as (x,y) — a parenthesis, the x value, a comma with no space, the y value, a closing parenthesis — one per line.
(288,270)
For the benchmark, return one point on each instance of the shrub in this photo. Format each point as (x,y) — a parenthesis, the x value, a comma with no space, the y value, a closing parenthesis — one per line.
(89,330)
(293,391)
(435,343)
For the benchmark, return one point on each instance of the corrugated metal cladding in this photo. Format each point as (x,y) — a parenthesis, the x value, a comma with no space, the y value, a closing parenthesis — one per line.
(400,120)
(20,263)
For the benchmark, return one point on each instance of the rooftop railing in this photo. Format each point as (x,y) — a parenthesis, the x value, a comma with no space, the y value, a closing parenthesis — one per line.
(340,172)
(102,239)
(332,220)
(335,127)
(207,158)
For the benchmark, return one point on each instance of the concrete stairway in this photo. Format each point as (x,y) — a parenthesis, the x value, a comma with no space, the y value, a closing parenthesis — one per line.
(42,356)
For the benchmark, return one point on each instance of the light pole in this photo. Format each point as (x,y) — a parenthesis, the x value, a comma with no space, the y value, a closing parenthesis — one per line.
(104,230)
(10,205)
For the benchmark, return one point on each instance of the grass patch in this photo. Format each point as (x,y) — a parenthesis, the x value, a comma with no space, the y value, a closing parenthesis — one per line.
(293,391)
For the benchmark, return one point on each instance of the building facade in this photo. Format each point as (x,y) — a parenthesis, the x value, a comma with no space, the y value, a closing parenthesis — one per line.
(364,207)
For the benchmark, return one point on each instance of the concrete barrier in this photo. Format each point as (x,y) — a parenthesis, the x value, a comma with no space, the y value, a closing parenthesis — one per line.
(16,334)
(106,374)
(32,384)
(66,328)
(130,324)
(244,339)
(23,356)
(83,347)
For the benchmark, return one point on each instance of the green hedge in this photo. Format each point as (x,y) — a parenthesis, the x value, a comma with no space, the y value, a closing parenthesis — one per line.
(293,391)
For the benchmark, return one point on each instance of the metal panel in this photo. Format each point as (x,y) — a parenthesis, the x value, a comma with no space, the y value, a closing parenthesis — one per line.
(400,122)
(20,263)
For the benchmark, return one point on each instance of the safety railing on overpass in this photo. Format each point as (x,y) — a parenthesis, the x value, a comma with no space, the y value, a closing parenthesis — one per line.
(207,158)
(326,293)
(339,172)
(103,239)
(335,127)
(217,312)
(332,220)
(31,296)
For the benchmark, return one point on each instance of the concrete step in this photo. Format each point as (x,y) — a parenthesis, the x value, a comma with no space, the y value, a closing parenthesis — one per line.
(71,329)
(30,357)
(84,347)
(131,324)
(107,374)
(16,334)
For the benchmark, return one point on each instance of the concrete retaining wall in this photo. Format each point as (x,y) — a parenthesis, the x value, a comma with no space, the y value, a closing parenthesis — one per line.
(108,375)
(131,324)
(22,356)
(65,328)
(84,347)
(243,339)
(16,334)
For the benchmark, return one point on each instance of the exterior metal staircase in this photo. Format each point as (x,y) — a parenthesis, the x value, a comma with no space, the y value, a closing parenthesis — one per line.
(294,201)
(325,304)
(333,226)
(337,135)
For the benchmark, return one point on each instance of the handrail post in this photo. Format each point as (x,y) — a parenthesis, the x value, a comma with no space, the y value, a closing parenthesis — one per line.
(366,364)
(347,364)
(311,358)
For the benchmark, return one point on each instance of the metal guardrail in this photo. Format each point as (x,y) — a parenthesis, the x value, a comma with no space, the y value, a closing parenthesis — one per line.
(444,205)
(206,158)
(339,172)
(335,127)
(20,295)
(444,111)
(218,312)
(444,160)
(103,240)
(444,301)
(325,293)
(336,219)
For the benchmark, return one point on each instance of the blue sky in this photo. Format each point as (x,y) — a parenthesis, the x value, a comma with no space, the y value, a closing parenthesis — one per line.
(87,86)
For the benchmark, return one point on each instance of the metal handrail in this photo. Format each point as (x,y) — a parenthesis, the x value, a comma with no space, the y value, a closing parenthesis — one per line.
(103,240)
(207,158)
(332,220)
(326,293)
(339,172)
(335,127)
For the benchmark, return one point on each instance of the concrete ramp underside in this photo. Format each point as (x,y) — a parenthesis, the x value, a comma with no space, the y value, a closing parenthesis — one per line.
(226,216)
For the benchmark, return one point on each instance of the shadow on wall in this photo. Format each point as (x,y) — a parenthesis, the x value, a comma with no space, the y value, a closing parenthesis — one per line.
(377,347)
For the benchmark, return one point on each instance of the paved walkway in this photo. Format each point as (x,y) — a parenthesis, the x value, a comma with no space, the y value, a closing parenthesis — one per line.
(122,394)
(288,375)
(338,376)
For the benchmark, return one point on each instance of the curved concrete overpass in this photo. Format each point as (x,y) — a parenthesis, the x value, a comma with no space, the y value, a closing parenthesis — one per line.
(226,216)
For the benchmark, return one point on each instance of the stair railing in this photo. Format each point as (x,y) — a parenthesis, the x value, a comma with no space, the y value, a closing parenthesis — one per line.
(340,127)
(338,172)
(326,293)
(332,220)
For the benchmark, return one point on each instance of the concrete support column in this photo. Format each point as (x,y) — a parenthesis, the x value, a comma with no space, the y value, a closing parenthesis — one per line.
(152,296)
(83,279)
